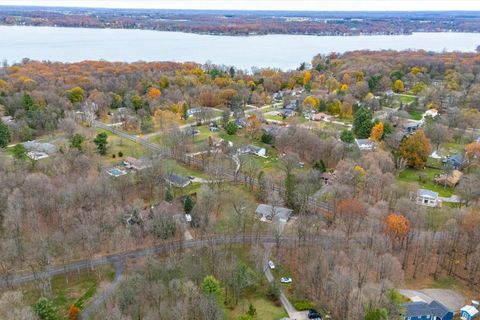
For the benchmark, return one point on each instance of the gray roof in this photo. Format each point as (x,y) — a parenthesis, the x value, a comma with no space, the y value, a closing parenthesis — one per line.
(266,210)
(40,147)
(177,180)
(427,193)
(418,309)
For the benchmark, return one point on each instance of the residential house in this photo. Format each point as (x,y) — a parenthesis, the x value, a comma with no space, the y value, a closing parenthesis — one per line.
(468,312)
(287,113)
(277,96)
(427,311)
(322,117)
(268,212)
(454,162)
(176,180)
(133,163)
(292,105)
(241,123)
(39,150)
(365,144)
(251,149)
(430,113)
(427,198)
(193,111)
(411,127)
(44,147)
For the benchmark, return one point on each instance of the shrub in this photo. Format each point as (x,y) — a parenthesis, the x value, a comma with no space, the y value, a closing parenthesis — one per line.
(303,305)
(120,154)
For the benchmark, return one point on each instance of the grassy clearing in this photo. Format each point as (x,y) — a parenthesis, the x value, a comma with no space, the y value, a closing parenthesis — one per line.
(117,144)
(78,290)
(405,98)
(411,176)
(415,114)
(266,310)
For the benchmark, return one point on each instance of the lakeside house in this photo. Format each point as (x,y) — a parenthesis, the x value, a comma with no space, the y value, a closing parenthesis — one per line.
(267,212)
(427,198)
(420,310)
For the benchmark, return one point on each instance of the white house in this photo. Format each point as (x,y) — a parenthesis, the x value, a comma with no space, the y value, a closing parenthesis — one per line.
(468,312)
(365,144)
(427,198)
(251,149)
(267,212)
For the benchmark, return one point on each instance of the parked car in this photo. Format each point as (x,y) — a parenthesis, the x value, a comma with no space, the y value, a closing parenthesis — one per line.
(314,314)
(271,265)
(285,280)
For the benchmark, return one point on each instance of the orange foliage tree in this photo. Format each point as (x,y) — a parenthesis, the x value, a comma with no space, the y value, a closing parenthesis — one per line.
(415,149)
(73,312)
(154,93)
(377,132)
(397,226)
(472,151)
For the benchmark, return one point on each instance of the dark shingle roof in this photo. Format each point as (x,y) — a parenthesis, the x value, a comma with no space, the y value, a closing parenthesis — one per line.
(418,309)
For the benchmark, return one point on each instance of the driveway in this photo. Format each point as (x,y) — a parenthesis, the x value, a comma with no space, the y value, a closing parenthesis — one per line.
(293,314)
(451,299)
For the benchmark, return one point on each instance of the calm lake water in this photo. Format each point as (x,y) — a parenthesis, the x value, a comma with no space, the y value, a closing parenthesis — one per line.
(280,51)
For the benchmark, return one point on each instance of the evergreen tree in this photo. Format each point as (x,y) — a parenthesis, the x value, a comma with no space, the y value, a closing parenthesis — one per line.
(4,135)
(76,141)
(188,205)
(347,136)
(101,143)
(362,123)
(45,309)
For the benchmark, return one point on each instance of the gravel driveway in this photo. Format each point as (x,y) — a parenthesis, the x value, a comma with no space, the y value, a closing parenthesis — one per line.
(451,299)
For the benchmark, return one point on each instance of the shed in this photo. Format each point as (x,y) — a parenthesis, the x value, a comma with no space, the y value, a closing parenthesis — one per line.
(468,312)
(268,212)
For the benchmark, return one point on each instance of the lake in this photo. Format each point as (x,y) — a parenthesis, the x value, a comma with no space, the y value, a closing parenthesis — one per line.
(279,51)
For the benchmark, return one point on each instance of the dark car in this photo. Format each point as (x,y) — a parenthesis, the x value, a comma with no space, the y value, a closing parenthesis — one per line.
(313,314)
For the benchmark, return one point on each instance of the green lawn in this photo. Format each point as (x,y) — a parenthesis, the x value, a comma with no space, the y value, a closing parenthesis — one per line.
(266,310)
(415,114)
(405,98)
(411,176)
(79,289)
(117,144)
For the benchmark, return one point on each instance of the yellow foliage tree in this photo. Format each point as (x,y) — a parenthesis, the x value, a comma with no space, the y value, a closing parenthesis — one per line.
(377,132)
(398,86)
(165,119)
(311,102)
(307,77)
(397,226)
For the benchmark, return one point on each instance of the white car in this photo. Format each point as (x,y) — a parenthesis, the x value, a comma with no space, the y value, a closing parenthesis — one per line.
(286,280)
(271,265)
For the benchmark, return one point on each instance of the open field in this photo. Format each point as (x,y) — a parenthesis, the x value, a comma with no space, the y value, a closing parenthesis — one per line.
(412,177)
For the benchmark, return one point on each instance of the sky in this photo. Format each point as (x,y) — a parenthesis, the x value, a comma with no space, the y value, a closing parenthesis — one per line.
(288,5)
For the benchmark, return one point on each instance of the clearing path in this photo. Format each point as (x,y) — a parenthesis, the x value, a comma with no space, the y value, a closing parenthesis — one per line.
(449,298)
